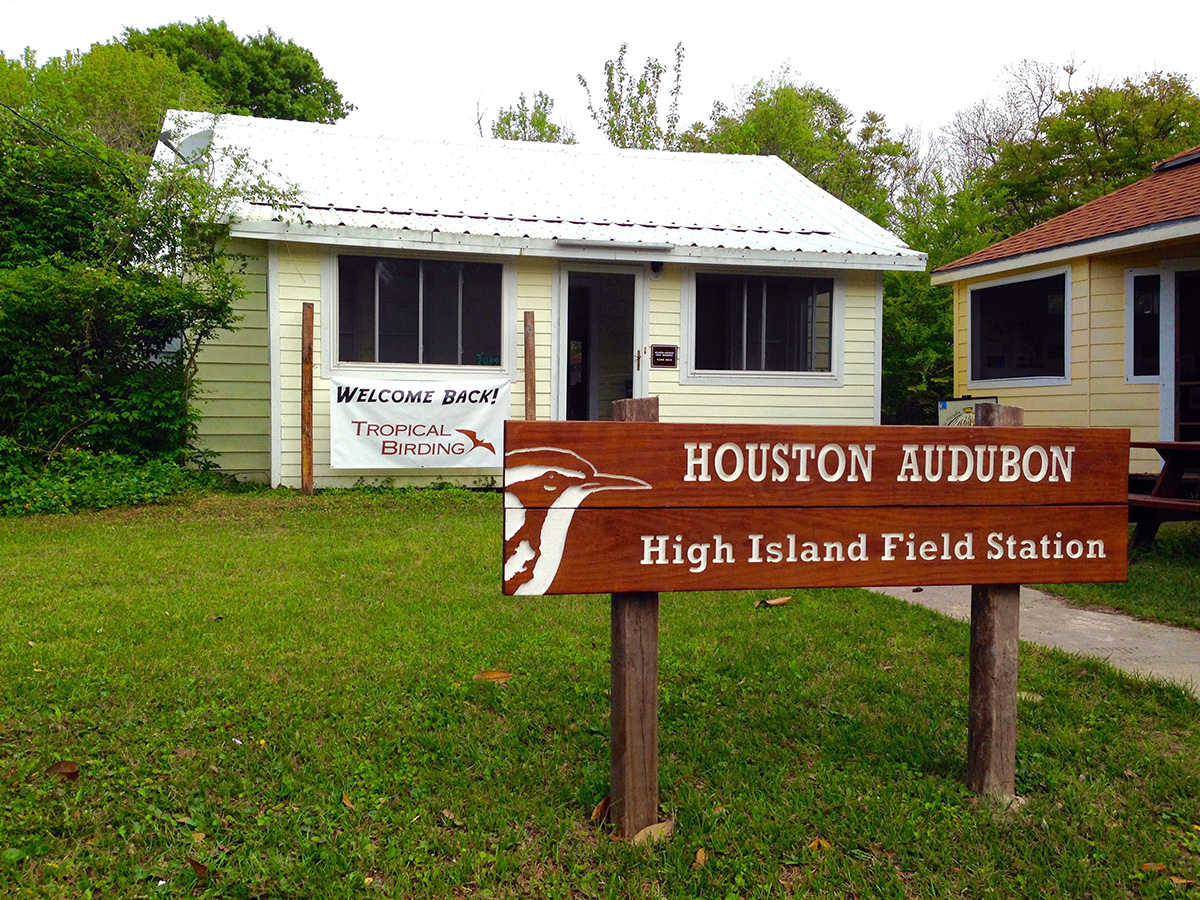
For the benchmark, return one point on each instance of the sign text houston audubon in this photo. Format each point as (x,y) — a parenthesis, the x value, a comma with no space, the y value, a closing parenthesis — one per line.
(593,507)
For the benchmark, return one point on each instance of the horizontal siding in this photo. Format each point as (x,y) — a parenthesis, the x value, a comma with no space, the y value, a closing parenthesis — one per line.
(853,402)
(1098,395)
(300,283)
(535,289)
(234,374)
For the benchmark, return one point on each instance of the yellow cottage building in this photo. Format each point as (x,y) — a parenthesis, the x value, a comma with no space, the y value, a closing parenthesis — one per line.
(1092,318)
(730,287)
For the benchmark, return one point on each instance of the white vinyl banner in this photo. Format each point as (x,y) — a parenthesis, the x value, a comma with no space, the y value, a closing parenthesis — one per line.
(417,424)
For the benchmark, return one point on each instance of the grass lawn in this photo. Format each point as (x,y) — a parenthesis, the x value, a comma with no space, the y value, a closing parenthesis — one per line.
(1164,580)
(277,693)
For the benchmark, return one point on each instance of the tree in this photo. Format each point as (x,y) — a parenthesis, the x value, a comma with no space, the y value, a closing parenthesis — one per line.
(113,268)
(628,114)
(115,94)
(520,123)
(1045,150)
(264,76)
(813,132)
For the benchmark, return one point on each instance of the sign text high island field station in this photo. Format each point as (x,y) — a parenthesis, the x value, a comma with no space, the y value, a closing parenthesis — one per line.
(599,507)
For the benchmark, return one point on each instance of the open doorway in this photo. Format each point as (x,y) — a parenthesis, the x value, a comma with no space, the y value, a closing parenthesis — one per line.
(600,343)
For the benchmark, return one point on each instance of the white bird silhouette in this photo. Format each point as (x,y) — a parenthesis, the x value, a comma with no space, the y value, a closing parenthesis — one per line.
(536,529)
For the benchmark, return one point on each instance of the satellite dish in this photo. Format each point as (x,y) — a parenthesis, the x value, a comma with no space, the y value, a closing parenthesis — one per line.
(196,145)
(192,148)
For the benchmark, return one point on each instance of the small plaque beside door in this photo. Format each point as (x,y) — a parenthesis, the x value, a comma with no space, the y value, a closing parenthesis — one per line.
(664,356)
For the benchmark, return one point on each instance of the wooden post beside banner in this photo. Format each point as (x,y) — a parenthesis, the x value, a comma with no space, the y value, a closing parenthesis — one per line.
(530,369)
(995,635)
(306,400)
(633,721)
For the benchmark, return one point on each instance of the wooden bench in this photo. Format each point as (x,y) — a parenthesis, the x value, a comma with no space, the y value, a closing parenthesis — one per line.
(1166,509)
(1163,503)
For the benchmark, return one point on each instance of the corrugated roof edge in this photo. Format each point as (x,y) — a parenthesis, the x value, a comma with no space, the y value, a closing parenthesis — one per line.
(834,218)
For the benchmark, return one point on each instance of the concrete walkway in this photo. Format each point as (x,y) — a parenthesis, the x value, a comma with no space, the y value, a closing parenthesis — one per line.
(1143,648)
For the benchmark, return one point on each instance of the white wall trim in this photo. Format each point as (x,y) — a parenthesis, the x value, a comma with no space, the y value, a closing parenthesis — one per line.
(493,245)
(999,384)
(688,374)
(1170,269)
(273,352)
(878,349)
(1141,238)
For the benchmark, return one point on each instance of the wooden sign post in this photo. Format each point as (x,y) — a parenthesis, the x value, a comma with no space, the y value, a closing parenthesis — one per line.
(633,722)
(995,635)
(633,508)
(530,368)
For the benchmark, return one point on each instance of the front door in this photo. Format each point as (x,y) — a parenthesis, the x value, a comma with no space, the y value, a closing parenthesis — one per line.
(1187,356)
(600,354)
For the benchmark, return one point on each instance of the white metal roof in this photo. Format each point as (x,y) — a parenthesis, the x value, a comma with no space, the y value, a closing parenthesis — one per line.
(544,199)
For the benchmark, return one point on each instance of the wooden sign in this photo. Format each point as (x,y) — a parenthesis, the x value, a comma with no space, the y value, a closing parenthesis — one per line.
(594,507)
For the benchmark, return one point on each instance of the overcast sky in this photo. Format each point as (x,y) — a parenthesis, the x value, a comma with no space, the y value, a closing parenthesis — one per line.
(422,69)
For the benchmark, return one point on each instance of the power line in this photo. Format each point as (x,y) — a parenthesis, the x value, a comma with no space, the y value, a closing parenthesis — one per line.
(58,137)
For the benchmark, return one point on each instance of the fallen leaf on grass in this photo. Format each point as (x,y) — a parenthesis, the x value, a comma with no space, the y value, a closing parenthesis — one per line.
(652,834)
(701,858)
(198,867)
(346,801)
(1175,879)
(67,769)
(1153,867)
(819,843)
(185,753)
(494,676)
(775,601)
(1030,697)
(198,837)
(452,819)
(601,809)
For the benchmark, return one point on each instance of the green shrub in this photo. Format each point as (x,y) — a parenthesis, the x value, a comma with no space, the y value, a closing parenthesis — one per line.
(77,479)
(85,359)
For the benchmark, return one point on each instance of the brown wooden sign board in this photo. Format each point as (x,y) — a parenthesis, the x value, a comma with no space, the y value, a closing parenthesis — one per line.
(594,507)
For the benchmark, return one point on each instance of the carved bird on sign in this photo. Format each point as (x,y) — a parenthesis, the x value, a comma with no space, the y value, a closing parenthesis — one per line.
(543,486)
(475,441)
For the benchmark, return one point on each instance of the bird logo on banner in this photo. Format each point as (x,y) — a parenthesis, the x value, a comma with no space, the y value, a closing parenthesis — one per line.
(537,532)
(476,441)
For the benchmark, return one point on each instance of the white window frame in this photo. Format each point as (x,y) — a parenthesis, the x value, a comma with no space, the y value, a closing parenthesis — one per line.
(1130,275)
(1170,269)
(1038,381)
(689,374)
(332,366)
(638,353)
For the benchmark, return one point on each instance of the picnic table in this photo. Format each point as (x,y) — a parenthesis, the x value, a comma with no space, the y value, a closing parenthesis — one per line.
(1165,502)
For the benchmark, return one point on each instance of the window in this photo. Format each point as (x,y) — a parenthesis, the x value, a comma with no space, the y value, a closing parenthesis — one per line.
(1141,326)
(754,323)
(1019,329)
(393,310)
